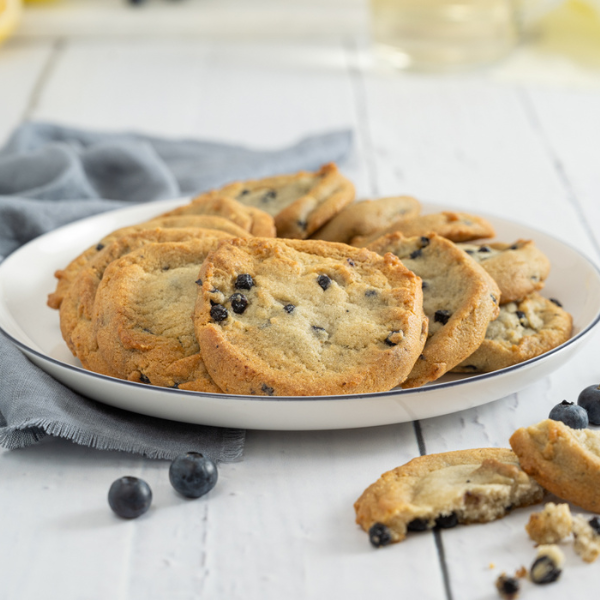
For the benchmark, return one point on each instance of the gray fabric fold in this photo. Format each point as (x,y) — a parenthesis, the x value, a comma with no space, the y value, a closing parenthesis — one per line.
(52,175)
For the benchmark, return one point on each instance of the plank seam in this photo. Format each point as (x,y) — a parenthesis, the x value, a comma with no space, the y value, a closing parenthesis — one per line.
(559,167)
(437,536)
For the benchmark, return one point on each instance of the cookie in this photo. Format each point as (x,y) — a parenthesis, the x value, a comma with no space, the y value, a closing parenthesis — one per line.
(523,330)
(297,318)
(68,275)
(443,490)
(551,525)
(565,461)
(518,268)
(299,203)
(366,217)
(457,227)
(77,306)
(459,298)
(142,317)
(256,222)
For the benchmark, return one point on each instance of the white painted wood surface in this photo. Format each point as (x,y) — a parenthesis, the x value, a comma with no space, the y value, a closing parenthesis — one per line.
(280,524)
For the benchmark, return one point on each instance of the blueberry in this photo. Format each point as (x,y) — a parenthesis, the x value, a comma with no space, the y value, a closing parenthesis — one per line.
(389,340)
(239,303)
(380,535)
(508,587)
(555,301)
(484,249)
(416,253)
(442,316)
(595,524)
(324,281)
(193,474)
(418,525)
(99,247)
(544,570)
(589,399)
(129,497)
(244,282)
(289,308)
(447,521)
(218,312)
(570,414)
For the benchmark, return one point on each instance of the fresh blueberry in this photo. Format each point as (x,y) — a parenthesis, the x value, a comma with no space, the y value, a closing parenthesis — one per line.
(544,570)
(589,399)
(570,414)
(193,474)
(129,497)
(380,535)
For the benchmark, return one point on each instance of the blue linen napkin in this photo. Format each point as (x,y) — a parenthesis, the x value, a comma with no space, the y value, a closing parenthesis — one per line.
(51,175)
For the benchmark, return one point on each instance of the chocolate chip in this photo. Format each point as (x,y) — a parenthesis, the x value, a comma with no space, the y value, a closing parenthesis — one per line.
(484,249)
(99,247)
(198,281)
(350,262)
(244,282)
(218,312)
(289,308)
(442,316)
(143,378)
(595,524)
(324,281)
(239,303)
(416,253)
(418,525)
(269,391)
(447,521)
(555,301)
(370,293)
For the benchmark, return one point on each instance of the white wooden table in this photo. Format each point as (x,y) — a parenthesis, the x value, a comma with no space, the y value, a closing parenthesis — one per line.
(280,524)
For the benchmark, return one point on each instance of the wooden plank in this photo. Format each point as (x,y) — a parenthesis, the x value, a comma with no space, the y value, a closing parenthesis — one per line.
(21,66)
(474,145)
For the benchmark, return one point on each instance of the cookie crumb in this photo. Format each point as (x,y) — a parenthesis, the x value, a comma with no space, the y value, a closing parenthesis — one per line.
(521,573)
(551,525)
(586,540)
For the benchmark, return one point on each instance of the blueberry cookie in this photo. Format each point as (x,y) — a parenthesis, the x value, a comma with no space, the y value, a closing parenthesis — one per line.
(565,461)
(299,203)
(518,269)
(76,309)
(366,217)
(459,298)
(142,317)
(255,221)
(522,331)
(297,318)
(69,274)
(443,490)
(457,227)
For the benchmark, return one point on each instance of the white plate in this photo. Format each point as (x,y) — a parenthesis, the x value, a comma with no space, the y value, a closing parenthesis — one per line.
(26,278)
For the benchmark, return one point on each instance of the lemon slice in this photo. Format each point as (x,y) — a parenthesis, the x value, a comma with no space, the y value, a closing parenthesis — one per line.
(10,12)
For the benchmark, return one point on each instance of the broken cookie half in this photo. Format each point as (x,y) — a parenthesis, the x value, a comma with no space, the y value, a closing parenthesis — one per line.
(443,490)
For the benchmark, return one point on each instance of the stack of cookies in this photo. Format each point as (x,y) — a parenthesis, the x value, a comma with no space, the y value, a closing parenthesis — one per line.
(286,286)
